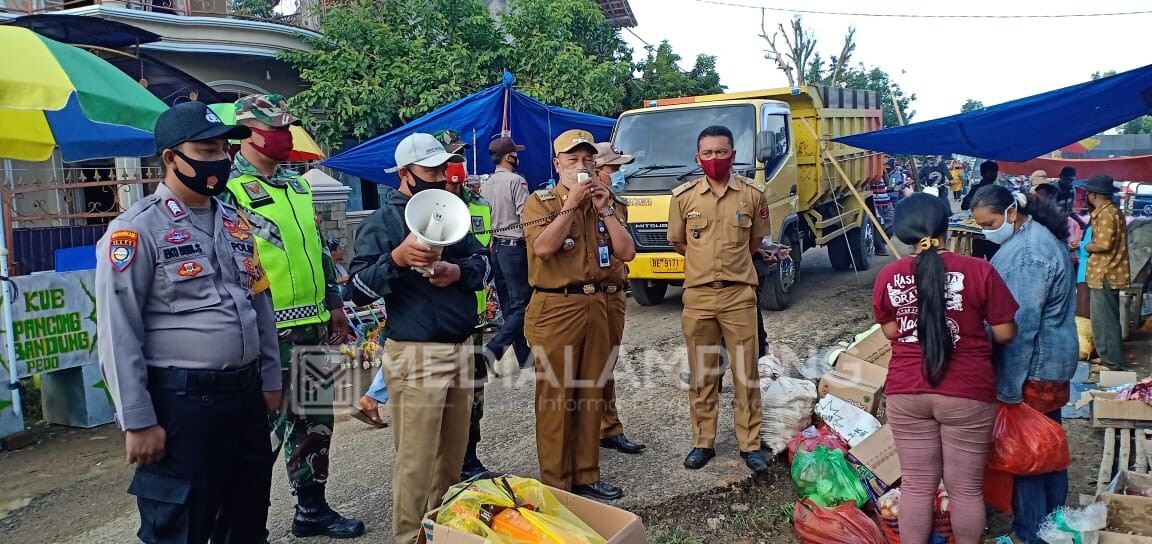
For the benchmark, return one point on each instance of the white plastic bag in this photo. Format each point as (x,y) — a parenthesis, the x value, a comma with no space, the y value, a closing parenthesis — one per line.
(787,404)
(1075,525)
(848,421)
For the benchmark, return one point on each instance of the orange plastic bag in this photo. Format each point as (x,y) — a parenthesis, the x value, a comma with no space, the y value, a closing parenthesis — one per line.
(845,524)
(1027,443)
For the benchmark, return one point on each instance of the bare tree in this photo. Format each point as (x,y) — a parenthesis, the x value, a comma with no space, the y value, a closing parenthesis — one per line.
(775,53)
(845,55)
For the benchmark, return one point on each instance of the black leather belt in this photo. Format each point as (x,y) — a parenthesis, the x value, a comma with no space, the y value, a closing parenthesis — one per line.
(203,381)
(585,289)
(514,242)
(721,284)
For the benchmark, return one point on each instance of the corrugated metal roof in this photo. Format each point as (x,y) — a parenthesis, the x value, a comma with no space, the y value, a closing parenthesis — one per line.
(618,12)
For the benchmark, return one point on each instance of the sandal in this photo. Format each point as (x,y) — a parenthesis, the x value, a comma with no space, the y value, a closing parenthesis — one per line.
(369,416)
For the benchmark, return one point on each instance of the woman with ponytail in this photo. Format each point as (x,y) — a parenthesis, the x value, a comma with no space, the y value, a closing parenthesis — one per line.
(933,306)
(1036,366)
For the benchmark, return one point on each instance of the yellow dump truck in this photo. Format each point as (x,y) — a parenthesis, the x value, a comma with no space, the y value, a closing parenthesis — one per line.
(778,137)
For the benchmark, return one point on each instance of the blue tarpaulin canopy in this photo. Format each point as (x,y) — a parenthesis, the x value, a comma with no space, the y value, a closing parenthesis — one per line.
(532,123)
(1023,129)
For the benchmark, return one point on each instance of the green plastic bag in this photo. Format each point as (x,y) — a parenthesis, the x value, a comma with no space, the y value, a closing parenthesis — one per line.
(823,475)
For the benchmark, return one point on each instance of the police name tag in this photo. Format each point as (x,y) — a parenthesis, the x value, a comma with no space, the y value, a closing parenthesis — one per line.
(602,252)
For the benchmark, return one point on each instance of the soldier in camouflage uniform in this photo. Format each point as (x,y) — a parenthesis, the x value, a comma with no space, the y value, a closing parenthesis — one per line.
(309,309)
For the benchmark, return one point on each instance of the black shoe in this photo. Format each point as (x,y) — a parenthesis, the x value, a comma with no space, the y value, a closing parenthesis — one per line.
(882,252)
(622,444)
(601,490)
(755,461)
(315,518)
(699,457)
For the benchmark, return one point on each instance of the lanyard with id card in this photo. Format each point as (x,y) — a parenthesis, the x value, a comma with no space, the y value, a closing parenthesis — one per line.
(602,249)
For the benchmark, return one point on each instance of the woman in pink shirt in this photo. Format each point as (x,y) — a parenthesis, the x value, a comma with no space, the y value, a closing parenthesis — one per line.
(933,306)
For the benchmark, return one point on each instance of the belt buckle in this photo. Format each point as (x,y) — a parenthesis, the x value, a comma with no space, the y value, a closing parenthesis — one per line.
(611,289)
(589,289)
(716,285)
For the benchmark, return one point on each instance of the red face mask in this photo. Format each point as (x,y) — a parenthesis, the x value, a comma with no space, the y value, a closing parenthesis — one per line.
(717,169)
(277,143)
(456,173)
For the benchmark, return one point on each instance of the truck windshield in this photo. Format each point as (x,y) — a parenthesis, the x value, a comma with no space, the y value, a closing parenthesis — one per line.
(664,142)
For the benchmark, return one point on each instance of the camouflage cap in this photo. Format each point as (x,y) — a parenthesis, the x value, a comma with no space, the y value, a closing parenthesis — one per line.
(271,109)
(451,140)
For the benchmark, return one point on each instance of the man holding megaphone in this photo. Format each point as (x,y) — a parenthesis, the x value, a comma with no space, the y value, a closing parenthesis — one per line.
(416,254)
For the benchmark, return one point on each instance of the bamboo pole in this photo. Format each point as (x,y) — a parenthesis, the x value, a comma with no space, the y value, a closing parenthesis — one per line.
(852,187)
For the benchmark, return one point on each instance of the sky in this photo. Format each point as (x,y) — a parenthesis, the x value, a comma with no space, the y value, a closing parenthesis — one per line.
(943,61)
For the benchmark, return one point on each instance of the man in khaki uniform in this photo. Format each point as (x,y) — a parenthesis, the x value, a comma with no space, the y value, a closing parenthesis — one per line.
(608,163)
(717,222)
(570,256)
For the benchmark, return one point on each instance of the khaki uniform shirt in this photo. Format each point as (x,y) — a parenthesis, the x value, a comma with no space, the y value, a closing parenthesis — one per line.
(579,265)
(506,193)
(718,230)
(1110,232)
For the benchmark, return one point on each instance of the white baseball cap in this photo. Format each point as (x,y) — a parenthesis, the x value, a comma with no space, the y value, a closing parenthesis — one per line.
(422,149)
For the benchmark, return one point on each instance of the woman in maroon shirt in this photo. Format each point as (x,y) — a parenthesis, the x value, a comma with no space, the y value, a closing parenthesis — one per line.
(941,385)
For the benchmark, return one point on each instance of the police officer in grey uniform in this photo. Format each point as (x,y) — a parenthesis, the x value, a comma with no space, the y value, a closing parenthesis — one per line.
(188,345)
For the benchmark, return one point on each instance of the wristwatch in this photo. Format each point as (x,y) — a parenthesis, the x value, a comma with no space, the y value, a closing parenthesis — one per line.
(608,212)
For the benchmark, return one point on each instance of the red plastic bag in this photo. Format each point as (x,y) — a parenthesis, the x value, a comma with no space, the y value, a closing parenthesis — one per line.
(808,439)
(1027,443)
(844,524)
(998,487)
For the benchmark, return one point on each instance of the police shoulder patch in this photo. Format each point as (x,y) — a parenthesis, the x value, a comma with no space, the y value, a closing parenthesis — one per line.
(122,248)
(683,187)
(544,195)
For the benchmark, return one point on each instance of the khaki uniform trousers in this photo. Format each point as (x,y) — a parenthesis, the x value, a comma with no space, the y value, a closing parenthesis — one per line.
(610,426)
(430,388)
(710,314)
(570,339)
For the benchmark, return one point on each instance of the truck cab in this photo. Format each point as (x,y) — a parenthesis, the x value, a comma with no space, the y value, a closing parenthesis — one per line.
(773,144)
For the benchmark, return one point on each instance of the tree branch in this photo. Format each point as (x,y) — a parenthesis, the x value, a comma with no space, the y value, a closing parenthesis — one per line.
(780,65)
(845,54)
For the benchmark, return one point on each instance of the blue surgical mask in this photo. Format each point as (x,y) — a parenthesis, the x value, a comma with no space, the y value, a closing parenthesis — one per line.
(1002,234)
(617,181)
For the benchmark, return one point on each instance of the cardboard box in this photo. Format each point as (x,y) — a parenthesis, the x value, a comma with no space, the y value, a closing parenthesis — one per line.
(877,453)
(856,381)
(616,525)
(874,348)
(1128,514)
(1119,414)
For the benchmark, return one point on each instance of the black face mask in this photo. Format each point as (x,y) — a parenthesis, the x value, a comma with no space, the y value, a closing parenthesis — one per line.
(419,184)
(211,177)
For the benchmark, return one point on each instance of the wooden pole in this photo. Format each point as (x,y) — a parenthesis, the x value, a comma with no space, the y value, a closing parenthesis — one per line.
(852,187)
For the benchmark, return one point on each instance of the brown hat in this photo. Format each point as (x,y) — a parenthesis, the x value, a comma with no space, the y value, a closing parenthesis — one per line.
(572,139)
(606,153)
(503,146)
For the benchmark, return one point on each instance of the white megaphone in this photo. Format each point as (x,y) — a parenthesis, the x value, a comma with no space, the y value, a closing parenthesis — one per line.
(437,218)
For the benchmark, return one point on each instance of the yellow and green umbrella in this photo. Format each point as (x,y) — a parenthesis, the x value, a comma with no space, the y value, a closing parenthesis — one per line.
(304,148)
(56,95)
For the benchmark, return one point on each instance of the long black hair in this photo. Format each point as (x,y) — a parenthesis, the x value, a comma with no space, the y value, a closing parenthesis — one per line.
(921,221)
(997,199)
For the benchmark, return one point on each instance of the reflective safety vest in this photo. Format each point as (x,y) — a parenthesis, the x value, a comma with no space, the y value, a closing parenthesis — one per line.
(284,224)
(481,214)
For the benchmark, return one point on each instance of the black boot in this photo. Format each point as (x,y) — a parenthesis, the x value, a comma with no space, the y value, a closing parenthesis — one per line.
(315,518)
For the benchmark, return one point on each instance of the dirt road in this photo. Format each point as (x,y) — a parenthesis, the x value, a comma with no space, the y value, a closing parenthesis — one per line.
(75,480)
